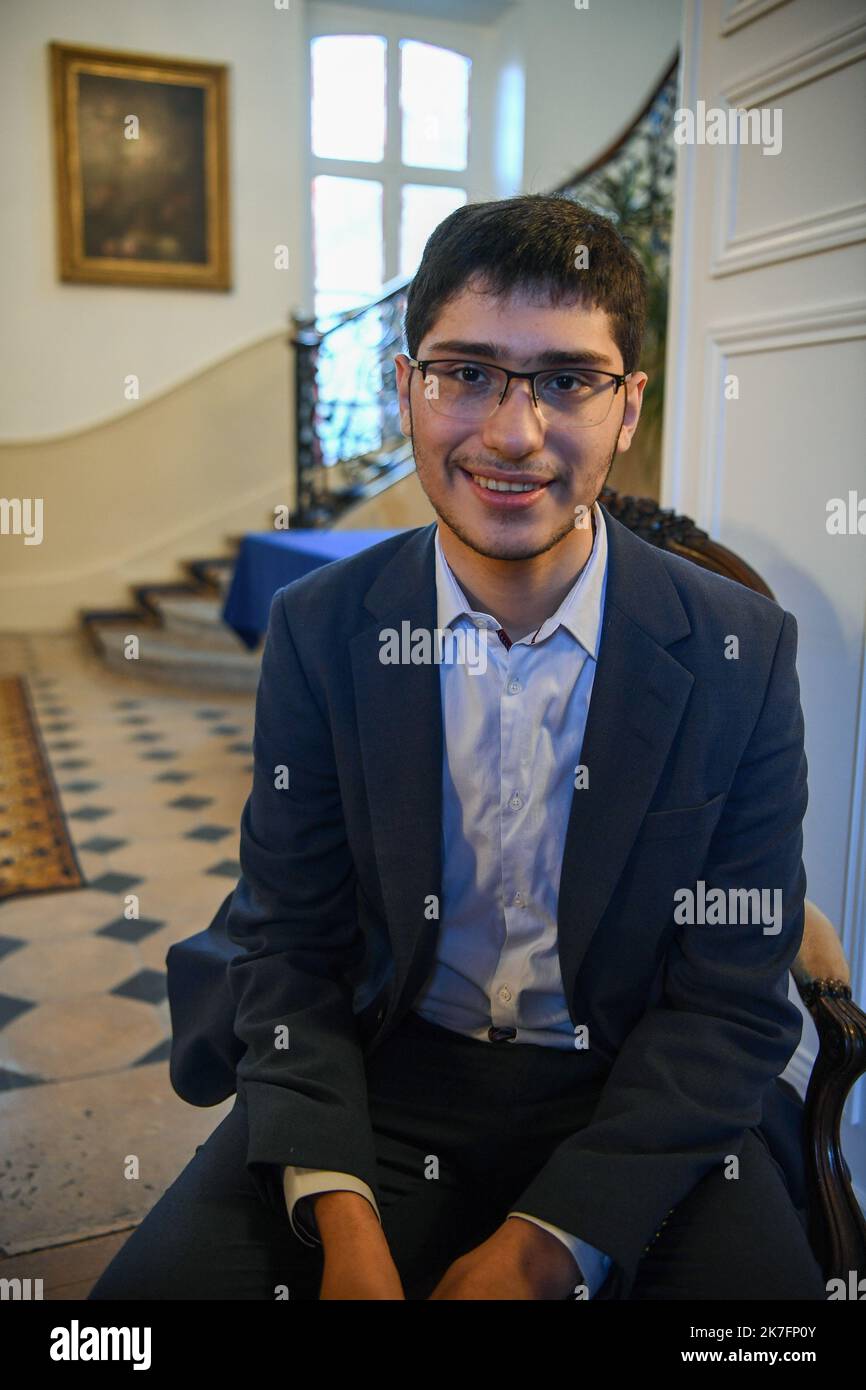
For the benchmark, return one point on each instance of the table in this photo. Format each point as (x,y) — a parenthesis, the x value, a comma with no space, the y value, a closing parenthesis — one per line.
(269,559)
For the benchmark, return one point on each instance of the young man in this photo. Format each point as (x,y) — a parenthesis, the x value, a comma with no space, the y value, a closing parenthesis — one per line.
(517,922)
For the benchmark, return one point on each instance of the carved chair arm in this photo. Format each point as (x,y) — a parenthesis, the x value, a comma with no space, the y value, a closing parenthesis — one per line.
(837,1229)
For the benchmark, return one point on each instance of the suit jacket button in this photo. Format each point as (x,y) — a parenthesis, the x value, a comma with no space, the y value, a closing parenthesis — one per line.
(380,1015)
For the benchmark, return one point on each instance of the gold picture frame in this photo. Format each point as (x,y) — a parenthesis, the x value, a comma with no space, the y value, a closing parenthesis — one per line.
(141,148)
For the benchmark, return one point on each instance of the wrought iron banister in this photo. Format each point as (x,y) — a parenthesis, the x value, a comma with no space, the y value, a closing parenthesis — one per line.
(347,415)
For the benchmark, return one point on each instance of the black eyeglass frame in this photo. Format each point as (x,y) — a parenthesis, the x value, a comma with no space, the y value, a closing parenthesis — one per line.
(619,378)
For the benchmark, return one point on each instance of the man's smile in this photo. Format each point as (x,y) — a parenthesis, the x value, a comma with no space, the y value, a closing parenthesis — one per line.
(505,489)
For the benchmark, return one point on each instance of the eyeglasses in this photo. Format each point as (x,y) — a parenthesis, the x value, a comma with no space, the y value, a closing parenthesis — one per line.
(471,391)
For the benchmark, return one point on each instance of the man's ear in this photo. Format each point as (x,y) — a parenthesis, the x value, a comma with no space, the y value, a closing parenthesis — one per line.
(404,376)
(634,399)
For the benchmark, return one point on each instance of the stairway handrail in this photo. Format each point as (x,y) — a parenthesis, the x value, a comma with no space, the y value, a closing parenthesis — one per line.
(310,336)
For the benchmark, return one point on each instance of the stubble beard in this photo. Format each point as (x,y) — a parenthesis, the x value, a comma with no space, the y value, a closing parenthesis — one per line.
(527,552)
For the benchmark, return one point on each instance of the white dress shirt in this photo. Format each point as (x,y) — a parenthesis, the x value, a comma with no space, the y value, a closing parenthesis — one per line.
(512,740)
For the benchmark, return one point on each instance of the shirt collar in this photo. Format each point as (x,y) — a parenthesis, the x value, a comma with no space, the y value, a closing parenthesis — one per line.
(579,612)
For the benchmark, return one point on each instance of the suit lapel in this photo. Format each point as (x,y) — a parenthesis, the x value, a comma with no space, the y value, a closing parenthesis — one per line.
(399,713)
(639,694)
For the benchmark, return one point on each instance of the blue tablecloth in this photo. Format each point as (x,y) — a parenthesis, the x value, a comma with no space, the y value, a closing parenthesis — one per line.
(269,559)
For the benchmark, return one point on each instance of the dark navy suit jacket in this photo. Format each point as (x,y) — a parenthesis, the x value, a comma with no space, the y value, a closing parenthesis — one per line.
(696,772)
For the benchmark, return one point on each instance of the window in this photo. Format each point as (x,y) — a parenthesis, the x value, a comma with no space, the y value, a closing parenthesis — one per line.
(421,209)
(348,74)
(390,147)
(434,106)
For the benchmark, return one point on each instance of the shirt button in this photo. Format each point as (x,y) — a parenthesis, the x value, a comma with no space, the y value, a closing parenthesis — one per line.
(504,994)
(514,687)
(518,899)
(516,801)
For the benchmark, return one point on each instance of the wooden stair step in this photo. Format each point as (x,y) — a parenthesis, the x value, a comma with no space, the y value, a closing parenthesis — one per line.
(172,656)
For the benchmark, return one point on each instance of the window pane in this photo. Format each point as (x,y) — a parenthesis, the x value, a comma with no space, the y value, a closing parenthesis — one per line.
(347,240)
(422,208)
(434,101)
(348,97)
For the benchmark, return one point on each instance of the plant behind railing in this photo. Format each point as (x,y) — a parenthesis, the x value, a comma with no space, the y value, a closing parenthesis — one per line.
(633,184)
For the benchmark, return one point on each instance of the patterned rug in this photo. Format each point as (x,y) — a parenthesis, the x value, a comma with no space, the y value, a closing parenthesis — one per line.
(36,853)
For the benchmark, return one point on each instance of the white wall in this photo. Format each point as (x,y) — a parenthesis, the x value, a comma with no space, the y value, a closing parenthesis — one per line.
(62,365)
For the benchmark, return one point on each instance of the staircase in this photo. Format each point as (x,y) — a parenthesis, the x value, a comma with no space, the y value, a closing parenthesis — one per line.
(182,637)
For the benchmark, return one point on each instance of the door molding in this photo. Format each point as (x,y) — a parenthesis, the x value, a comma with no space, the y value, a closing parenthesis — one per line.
(744,11)
(768,333)
(798,236)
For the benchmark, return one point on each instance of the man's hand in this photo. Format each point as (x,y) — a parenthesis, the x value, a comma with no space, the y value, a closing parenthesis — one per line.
(358,1262)
(519,1261)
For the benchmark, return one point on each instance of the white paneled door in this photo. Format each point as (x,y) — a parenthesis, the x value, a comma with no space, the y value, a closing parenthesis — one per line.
(765,419)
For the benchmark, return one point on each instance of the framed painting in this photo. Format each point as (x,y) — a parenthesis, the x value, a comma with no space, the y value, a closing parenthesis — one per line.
(142,168)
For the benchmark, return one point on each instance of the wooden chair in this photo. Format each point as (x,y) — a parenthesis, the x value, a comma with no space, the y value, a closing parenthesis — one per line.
(837,1230)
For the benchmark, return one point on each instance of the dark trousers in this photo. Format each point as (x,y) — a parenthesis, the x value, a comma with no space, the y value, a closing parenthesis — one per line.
(461,1126)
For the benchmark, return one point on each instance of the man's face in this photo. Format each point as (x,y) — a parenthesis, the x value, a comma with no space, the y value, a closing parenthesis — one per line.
(515,443)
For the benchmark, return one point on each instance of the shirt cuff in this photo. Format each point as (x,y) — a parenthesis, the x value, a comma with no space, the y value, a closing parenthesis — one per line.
(593,1264)
(302,1183)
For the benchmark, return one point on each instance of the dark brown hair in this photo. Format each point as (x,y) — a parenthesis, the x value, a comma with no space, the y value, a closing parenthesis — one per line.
(530,242)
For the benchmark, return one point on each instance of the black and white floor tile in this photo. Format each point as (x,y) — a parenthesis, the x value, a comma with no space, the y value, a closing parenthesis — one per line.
(152,781)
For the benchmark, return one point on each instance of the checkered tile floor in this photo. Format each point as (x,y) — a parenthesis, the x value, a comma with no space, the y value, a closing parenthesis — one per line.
(152,781)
